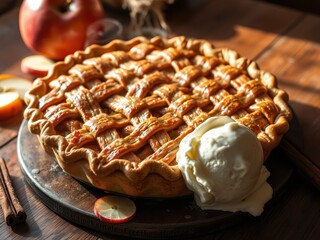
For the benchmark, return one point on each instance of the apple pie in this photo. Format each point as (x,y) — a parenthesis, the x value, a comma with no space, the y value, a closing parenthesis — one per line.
(113,116)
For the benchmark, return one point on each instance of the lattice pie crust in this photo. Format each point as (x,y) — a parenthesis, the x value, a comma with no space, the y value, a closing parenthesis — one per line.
(113,116)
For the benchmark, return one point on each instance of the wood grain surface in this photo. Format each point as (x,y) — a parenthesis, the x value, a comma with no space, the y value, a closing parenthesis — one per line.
(283,41)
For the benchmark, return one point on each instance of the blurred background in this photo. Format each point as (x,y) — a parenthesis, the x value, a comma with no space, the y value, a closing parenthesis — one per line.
(310,6)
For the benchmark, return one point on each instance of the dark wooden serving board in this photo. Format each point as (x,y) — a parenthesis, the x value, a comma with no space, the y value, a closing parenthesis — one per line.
(155,218)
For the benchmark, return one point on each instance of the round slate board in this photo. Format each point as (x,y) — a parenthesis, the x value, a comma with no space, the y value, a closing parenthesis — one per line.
(155,218)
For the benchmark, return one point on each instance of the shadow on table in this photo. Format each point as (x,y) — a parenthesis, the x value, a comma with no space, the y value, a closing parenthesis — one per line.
(311,6)
(307,116)
(5,5)
(219,20)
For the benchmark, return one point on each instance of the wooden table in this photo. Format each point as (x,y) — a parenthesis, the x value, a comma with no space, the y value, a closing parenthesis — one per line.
(283,41)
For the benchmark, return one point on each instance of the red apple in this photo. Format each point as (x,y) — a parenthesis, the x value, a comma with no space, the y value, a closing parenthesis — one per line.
(57,28)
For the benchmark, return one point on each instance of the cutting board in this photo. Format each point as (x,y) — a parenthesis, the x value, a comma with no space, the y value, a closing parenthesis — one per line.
(155,218)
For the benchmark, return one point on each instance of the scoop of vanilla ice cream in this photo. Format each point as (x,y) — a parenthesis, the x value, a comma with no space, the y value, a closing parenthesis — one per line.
(222,163)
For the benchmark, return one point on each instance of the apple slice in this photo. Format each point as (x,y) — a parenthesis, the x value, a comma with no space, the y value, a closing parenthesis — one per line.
(114,209)
(36,65)
(10,83)
(10,105)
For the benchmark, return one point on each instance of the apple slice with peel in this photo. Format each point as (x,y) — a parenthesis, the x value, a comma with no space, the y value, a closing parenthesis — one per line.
(9,83)
(114,209)
(10,105)
(36,65)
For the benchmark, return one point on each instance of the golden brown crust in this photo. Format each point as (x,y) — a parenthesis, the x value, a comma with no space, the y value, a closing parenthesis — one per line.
(114,115)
